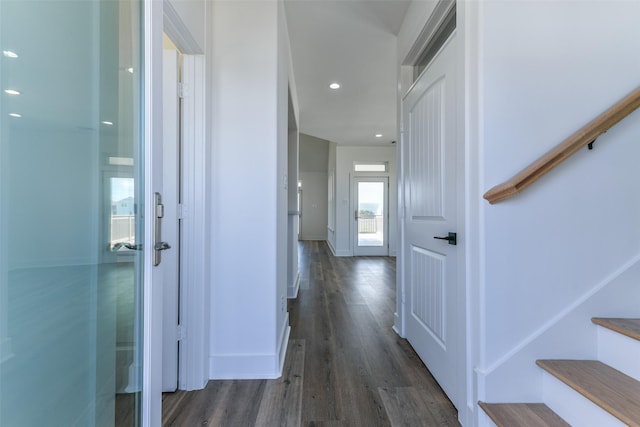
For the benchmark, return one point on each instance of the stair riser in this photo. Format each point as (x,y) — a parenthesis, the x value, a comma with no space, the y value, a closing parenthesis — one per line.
(574,408)
(619,351)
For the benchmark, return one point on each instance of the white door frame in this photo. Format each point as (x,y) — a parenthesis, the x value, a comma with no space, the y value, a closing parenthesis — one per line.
(160,16)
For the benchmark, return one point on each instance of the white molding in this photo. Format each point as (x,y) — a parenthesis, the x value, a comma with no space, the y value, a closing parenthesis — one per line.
(314,238)
(292,291)
(331,248)
(178,32)
(152,278)
(433,24)
(194,369)
(244,366)
(342,252)
(283,343)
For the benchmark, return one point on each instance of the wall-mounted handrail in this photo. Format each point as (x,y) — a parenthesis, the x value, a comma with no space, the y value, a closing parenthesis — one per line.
(586,135)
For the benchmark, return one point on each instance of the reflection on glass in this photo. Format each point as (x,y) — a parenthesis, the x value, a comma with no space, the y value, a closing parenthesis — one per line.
(370,213)
(122,219)
(69,306)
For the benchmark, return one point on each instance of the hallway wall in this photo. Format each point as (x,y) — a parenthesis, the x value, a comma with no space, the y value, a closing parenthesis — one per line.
(314,157)
(250,65)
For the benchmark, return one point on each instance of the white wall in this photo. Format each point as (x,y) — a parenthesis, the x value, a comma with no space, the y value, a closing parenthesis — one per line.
(314,158)
(547,69)
(345,158)
(331,197)
(249,189)
(314,206)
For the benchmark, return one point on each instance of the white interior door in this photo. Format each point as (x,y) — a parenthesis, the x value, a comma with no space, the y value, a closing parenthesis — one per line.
(370,216)
(430,142)
(171,222)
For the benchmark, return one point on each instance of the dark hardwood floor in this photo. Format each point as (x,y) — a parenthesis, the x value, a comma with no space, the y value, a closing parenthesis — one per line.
(345,366)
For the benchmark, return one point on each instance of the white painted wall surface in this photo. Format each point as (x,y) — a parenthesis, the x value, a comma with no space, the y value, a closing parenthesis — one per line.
(249,205)
(548,68)
(314,206)
(345,158)
(283,55)
(331,192)
(314,160)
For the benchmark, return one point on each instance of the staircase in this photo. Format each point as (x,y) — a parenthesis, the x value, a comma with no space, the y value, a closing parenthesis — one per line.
(585,393)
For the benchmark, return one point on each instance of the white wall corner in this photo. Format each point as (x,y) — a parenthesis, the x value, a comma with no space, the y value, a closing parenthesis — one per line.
(292,291)
(398,327)
(331,248)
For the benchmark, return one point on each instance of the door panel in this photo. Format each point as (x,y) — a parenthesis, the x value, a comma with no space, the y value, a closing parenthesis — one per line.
(430,145)
(70,302)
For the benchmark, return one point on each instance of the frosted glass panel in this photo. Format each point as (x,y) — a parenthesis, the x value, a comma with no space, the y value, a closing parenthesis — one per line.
(69,300)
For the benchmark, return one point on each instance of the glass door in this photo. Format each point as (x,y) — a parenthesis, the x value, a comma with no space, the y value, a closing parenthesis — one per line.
(71,169)
(370,216)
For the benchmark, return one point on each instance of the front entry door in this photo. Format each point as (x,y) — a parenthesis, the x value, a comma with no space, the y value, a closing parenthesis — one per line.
(370,216)
(430,178)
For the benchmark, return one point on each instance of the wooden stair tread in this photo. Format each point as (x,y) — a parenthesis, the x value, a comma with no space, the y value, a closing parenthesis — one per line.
(608,388)
(628,327)
(522,415)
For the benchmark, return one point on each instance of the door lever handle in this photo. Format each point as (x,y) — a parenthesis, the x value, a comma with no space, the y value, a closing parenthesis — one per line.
(127,245)
(161,246)
(452,238)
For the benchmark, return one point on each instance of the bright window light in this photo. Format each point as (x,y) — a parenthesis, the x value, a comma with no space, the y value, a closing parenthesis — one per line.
(11,92)
(9,54)
(370,167)
(334,86)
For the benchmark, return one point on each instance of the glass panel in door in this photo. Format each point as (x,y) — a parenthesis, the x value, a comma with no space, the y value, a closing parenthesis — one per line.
(70,160)
(371,204)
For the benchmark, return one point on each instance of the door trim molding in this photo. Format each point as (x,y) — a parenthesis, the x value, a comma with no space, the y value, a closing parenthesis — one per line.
(194,275)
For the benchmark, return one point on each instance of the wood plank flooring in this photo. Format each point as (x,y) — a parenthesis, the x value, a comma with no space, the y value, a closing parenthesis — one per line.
(345,366)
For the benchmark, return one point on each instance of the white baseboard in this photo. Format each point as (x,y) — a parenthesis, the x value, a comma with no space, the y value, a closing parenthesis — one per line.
(320,238)
(243,366)
(251,366)
(292,291)
(343,252)
(283,343)
(331,248)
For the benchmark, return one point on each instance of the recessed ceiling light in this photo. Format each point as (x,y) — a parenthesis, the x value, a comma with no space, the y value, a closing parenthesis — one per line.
(9,54)
(130,69)
(378,135)
(334,86)
(105,122)
(11,92)
(16,115)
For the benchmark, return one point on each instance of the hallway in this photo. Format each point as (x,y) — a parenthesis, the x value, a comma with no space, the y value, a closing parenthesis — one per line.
(345,366)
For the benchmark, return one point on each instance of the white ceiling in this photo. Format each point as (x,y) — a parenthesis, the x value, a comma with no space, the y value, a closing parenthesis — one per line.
(352,42)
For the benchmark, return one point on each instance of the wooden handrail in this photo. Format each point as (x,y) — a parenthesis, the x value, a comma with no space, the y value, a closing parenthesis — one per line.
(565,149)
